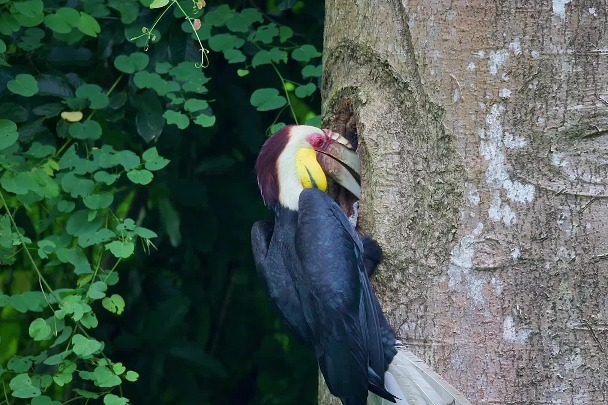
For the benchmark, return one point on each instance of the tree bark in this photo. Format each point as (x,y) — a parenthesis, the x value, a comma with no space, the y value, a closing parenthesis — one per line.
(482,132)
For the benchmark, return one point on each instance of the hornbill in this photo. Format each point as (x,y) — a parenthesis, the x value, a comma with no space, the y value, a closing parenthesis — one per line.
(315,268)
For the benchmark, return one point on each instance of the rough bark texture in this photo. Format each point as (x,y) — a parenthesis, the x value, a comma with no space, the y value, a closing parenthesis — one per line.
(482,129)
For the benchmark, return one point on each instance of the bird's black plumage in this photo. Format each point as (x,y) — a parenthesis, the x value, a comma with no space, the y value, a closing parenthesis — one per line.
(312,262)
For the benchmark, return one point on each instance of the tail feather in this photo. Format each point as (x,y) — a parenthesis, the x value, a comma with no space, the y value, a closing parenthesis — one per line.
(414,383)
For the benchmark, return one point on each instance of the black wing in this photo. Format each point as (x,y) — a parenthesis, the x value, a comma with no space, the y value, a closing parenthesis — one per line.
(372,256)
(338,300)
(269,262)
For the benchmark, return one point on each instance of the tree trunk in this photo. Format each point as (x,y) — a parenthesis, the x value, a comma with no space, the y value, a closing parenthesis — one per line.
(482,131)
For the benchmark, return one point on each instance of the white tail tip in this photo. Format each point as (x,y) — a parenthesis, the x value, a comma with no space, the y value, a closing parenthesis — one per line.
(414,383)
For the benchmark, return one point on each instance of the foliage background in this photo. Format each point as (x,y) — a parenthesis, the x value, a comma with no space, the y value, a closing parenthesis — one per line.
(197,327)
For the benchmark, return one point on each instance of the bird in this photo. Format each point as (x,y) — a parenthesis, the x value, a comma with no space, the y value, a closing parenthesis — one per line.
(315,267)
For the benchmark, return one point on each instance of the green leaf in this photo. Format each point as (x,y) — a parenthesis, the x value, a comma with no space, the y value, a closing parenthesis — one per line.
(57,358)
(40,330)
(77,258)
(89,320)
(146,80)
(140,176)
(267,99)
(153,161)
(79,224)
(162,67)
(261,58)
(85,347)
(224,42)
(115,304)
(98,99)
(64,373)
(276,127)
(31,40)
(234,56)
(70,15)
(111,399)
(88,25)
(131,63)
(76,185)
(265,34)
(45,247)
(193,105)
(265,57)
(306,90)
(128,11)
(131,376)
(241,22)
(36,181)
(65,206)
(140,60)
(42,381)
(86,394)
(29,8)
(121,249)
(118,368)
(218,16)
(98,201)
(127,159)
(44,400)
(22,387)
(145,233)
(57,24)
(8,24)
(285,33)
(72,305)
(19,364)
(177,118)
(205,120)
(89,239)
(8,133)
(312,71)
(159,3)
(105,177)
(85,130)
(65,335)
(23,84)
(27,20)
(242,72)
(97,290)
(305,53)
(105,378)
(127,225)
(37,149)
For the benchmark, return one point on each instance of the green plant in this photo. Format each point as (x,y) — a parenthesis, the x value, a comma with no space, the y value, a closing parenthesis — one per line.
(84,192)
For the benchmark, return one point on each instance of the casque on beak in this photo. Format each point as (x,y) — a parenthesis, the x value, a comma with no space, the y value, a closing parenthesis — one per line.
(340,161)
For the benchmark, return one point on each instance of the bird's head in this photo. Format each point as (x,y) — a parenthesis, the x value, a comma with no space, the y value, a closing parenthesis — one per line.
(301,156)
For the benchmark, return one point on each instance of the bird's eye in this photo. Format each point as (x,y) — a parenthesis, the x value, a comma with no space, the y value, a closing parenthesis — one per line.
(316,140)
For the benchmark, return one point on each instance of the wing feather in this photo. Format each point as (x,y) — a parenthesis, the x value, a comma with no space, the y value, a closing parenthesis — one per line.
(420,383)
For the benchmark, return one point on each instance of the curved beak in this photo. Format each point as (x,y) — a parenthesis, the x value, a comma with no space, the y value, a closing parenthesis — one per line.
(340,161)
